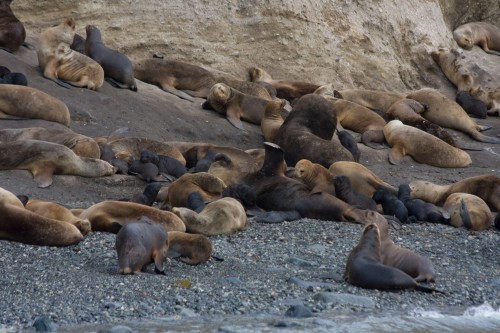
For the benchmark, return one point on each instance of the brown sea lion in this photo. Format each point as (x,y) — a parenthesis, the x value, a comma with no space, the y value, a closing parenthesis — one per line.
(362,179)
(193,249)
(469,211)
(129,149)
(373,99)
(366,269)
(12,33)
(487,187)
(484,34)
(226,170)
(59,62)
(308,130)
(104,214)
(272,120)
(19,102)
(245,87)
(315,176)
(80,144)
(44,159)
(18,224)
(422,147)
(286,89)
(117,67)
(222,216)
(140,243)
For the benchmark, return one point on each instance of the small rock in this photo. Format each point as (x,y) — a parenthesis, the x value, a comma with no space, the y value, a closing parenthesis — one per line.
(298,311)
(344,299)
(234,280)
(308,284)
(302,262)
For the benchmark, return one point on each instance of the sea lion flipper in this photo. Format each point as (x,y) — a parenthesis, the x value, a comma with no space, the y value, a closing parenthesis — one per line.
(115,83)
(464,215)
(233,117)
(396,154)
(158,260)
(177,93)
(43,177)
(420,287)
(483,138)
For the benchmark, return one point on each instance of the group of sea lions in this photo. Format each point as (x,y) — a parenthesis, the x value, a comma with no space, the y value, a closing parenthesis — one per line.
(307,167)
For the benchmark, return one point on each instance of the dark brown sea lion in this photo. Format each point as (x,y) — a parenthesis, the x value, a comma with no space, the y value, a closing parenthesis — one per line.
(420,209)
(473,106)
(117,67)
(18,102)
(148,196)
(44,159)
(12,33)
(145,171)
(7,77)
(422,147)
(349,142)
(316,177)
(391,205)
(308,130)
(78,44)
(166,164)
(343,191)
(469,211)
(192,249)
(140,243)
(484,34)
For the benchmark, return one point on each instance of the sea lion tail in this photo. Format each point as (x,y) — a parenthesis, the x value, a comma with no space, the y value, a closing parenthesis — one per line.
(430,290)
(484,138)
(464,215)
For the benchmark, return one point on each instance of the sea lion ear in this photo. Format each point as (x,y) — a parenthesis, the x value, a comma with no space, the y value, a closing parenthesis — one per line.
(337,94)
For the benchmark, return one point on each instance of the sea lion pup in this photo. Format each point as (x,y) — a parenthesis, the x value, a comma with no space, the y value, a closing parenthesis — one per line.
(165,164)
(245,87)
(421,210)
(178,78)
(307,133)
(78,44)
(44,159)
(365,269)
(316,177)
(192,249)
(409,110)
(145,171)
(469,211)
(12,33)
(148,196)
(104,215)
(347,140)
(59,62)
(372,99)
(108,155)
(7,77)
(18,224)
(473,106)
(222,216)
(497,221)
(140,243)
(483,34)
(195,202)
(272,120)
(226,170)
(117,67)
(129,149)
(18,102)
(422,147)
(204,164)
(343,191)
(209,186)
(362,179)
(391,205)
(487,187)
(80,144)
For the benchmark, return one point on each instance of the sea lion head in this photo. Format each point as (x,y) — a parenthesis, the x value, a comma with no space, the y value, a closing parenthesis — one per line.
(463,37)
(220,92)
(258,74)
(328,91)
(93,32)
(304,169)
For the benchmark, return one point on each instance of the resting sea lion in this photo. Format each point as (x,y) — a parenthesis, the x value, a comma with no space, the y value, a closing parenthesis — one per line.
(473,106)
(165,164)
(7,77)
(145,171)
(349,142)
(484,34)
(12,33)
(148,196)
(18,102)
(78,44)
(192,249)
(422,146)
(272,120)
(421,210)
(195,202)
(316,177)
(59,62)
(343,191)
(246,87)
(129,149)
(44,159)
(108,155)
(391,205)
(117,67)
(140,243)
(469,211)
(203,165)
(373,99)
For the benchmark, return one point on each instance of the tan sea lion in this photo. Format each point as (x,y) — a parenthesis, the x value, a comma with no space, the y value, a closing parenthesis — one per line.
(19,102)
(372,99)
(193,249)
(222,216)
(104,214)
(44,159)
(484,34)
(245,87)
(18,224)
(315,176)
(140,243)
(80,144)
(129,149)
(59,62)
(469,211)
(272,120)
(117,67)
(362,179)
(12,33)
(422,147)
(444,112)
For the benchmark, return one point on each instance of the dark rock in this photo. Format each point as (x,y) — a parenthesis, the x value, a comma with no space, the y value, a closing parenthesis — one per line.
(298,311)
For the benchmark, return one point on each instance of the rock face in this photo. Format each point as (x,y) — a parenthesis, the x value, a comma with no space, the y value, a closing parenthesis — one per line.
(382,44)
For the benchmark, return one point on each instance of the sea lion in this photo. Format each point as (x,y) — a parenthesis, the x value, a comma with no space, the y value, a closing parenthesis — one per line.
(44,159)
(166,164)
(391,205)
(349,142)
(362,179)
(421,210)
(365,269)
(108,155)
(272,120)
(80,144)
(193,249)
(117,67)
(59,62)
(145,171)
(140,243)
(209,186)
(307,133)
(18,224)
(343,191)
(129,149)
(12,33)
(316,177)
(373,99)
(195,202)
(285,89)
(7,77)
(483,34)
(18,102)
(469,211)
(497,222)
(105,214)
(148,196)
(78,44)
(222,216)
(422,147)
(203,165)
(487,187)
(473,106)
(245,87)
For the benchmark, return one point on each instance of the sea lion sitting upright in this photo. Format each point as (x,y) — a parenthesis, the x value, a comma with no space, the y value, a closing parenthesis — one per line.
(316,177)
(469,211)
(484,34)
(12,33)
(193,249)
(117,67)
(140,243)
